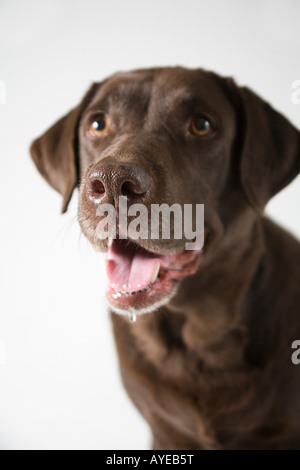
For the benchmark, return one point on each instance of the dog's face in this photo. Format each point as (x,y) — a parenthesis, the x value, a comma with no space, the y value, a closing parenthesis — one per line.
(165,136)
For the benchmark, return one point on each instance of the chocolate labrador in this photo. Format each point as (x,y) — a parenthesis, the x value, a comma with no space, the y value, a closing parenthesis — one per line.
(208,359)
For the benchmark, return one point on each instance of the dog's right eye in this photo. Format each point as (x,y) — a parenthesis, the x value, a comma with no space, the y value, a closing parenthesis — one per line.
(98,126)
(200,126)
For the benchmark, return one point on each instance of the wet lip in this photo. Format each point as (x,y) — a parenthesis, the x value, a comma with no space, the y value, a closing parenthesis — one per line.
(142,280)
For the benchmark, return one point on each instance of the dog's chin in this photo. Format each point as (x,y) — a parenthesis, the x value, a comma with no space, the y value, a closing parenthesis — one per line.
(139,303)
(141,281)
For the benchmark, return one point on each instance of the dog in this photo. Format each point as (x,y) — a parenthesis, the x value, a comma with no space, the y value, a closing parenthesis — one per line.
(208,360)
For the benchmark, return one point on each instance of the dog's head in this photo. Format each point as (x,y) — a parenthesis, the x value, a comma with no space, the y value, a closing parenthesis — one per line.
(169,136)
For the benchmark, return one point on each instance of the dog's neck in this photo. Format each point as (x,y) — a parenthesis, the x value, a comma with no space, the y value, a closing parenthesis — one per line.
(225,273)
(211,329)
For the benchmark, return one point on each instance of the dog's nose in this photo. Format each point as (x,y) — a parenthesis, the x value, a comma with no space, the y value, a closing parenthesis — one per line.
(110,180)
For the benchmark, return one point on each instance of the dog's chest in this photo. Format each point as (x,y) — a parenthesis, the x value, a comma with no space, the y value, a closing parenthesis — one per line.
(171,386)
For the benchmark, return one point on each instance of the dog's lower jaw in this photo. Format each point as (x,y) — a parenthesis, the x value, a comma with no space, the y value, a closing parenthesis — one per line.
(132,312)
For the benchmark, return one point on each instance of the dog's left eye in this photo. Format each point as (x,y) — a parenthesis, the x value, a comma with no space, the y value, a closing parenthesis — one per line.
(98,126)
(200,126)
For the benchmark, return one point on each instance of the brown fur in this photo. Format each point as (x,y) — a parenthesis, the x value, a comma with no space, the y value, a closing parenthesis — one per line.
(212,369)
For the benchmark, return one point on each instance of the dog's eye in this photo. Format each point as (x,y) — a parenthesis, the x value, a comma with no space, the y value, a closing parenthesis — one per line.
(98,126)
(200,126)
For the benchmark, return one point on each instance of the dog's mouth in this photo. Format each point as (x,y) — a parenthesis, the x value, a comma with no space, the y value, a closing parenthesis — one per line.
(140,281)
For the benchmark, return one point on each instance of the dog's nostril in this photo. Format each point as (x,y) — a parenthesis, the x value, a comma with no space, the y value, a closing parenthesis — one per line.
(129,188)
(97,186)
(109,181)
(136,186)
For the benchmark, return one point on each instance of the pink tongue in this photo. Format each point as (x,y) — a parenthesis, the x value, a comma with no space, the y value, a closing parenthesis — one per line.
(130,268)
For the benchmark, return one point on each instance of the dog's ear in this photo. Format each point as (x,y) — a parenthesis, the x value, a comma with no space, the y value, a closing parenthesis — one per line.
(55,153)
(270,157)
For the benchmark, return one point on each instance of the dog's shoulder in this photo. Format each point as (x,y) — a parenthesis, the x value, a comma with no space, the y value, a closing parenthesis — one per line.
(272,304)
(281,246)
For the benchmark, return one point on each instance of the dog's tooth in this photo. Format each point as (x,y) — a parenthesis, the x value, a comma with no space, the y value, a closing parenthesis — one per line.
(116,295)
(155,274)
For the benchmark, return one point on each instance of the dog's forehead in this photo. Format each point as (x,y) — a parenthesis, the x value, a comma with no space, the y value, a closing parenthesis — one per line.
(127,83)
(178,83)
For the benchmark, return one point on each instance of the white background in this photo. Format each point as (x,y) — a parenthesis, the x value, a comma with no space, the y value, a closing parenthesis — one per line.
(59,382)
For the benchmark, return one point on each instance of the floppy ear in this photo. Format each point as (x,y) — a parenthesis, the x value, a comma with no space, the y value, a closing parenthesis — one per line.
(270,156)
(55,153)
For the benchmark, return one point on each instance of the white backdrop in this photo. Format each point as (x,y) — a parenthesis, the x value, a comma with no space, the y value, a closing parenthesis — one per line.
(59,378)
